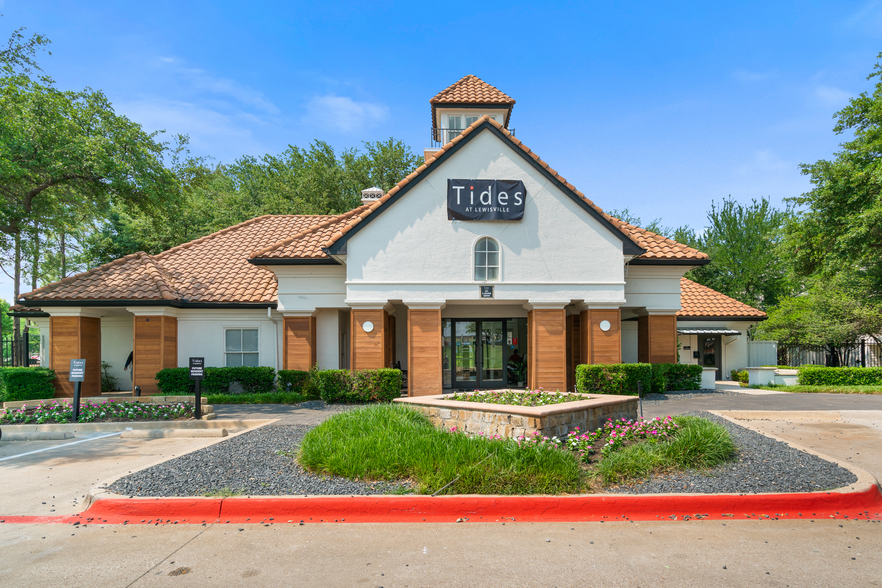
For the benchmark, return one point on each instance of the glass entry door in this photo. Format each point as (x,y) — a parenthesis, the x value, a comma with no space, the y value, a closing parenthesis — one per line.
(710,353)
(483,353)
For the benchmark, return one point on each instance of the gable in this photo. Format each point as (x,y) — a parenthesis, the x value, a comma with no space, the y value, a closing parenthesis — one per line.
(557,242)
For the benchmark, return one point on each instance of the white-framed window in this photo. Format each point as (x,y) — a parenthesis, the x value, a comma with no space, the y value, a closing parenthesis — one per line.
(457,123)
(486,260)
(241,347)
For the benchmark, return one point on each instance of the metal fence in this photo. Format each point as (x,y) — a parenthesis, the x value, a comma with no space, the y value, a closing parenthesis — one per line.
(22,352)
(866,353)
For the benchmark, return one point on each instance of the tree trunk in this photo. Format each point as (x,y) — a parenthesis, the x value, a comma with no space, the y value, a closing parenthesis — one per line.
(16,321)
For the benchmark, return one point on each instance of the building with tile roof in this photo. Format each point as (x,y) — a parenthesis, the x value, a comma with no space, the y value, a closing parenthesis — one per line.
(482,253)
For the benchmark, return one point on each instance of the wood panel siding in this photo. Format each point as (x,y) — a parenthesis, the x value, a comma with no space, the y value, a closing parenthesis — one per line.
(367,350)
(547,348)
(156,348)
(657,338)
(599,346)
(75,337)
(299,343)
(424,352)
(606,346)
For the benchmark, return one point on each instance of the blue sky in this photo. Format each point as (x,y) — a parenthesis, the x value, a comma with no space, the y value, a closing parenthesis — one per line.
(658,107)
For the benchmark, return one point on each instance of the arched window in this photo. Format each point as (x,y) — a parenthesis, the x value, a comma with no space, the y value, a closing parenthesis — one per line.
(486,260)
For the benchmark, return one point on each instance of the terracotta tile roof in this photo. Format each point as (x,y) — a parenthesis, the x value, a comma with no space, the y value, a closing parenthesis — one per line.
(700,301)
(134,276)
(308,243)
(213,268)
(656,246)
(472,90)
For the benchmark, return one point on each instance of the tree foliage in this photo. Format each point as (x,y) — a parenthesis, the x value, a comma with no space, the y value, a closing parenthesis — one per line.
(840,223)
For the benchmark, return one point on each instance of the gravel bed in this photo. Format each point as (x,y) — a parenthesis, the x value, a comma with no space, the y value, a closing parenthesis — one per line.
(684,394)
(762,464)
(247,464)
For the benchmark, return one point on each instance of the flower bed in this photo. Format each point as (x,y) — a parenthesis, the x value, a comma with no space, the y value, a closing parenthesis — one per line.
(538,397)
(614,435)
(98,412)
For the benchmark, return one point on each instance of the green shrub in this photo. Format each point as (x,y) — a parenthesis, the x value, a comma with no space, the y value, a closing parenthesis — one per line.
(376,385)
(334,385)
(26,383)
(739,376)
(680,376)
(294,381)
(816,375)
(254,380)
(618,378)
(345,387)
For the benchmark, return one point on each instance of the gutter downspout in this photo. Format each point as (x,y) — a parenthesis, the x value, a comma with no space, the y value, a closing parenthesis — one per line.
(269,315)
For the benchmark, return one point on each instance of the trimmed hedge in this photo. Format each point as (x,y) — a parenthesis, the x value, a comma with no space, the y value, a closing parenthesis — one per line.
(332,386)
(26,383)
(622,378)
(254,380)
(816,375)
(345,387)
(681,376)
(617,378)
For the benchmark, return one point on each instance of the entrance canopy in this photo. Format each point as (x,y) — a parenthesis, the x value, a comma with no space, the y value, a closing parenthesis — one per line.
(707,332)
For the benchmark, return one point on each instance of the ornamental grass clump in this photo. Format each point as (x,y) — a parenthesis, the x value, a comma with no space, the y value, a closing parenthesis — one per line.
(540,397)
(393,442)
(106,411)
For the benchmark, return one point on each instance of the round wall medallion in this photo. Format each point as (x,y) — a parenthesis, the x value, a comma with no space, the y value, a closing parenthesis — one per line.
(368,326)
(604,326)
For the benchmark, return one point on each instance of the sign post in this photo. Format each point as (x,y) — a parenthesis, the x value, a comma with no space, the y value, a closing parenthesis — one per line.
(77,375)
(197,372)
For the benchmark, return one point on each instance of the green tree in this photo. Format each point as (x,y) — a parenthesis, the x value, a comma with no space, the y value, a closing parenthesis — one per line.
(839,225)
(743,243)
(834,313)
(315,180)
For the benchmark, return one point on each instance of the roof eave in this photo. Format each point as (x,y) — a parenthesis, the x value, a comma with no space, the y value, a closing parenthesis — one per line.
(721,318)
(686,262)
(629,247)
(292,261)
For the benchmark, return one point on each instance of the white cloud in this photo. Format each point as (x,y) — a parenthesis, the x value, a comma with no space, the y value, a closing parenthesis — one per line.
(868,17)
(764,161)
(343,114)
(746,76)
(831,96)
(202,80)
(224,136)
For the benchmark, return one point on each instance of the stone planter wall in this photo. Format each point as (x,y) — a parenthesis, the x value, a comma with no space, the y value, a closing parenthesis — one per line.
(513,421)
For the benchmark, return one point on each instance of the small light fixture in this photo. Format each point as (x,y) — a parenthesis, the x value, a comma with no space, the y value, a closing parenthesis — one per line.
(604,326)
(367,326)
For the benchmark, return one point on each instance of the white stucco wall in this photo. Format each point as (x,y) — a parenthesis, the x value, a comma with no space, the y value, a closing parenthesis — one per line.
(412,252)
(307,287)
(629,341)
(201,334)
(653,287)
(327,326)
(117,338)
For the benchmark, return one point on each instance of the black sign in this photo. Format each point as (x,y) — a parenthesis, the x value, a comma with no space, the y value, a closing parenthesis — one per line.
(197,368)
(486,291)
(485,200)
(77,370)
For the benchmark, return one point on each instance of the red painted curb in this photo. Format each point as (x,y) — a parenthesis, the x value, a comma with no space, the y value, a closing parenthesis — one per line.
(863,505)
